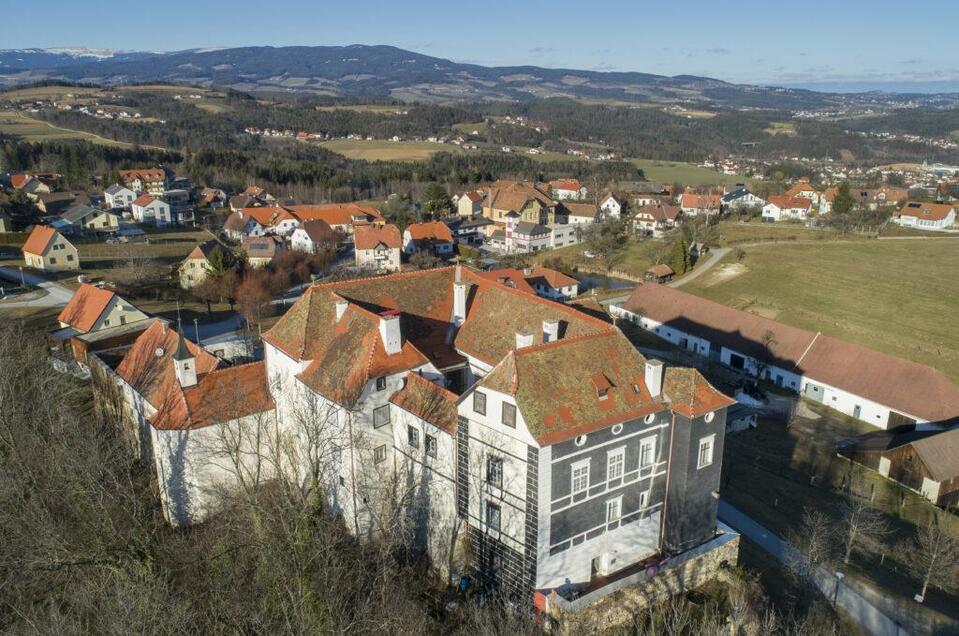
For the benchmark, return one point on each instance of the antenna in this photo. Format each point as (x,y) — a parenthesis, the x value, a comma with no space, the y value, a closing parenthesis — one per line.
(179,325)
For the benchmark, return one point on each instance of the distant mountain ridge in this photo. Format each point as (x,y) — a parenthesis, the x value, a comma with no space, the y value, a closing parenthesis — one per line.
(387,71)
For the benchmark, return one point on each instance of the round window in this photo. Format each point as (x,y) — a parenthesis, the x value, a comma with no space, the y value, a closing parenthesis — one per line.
(580,440)
(709,417)
(650,418)
(617,429)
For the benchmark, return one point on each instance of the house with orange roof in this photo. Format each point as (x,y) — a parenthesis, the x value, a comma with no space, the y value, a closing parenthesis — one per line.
(377,247)
(434,237)
(145,180)
(566,189)
(787,208)
(530,428)
(693,204)
(926,216)
(802,188)
(151,209)
(470,203)
(49,250)
(656,219)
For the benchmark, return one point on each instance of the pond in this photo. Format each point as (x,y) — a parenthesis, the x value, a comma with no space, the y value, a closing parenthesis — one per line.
(598,281)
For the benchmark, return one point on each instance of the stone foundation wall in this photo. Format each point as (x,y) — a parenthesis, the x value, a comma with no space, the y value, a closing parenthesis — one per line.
(621,607)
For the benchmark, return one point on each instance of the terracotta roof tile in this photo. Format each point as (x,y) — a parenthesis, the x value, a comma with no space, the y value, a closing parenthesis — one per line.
(144,200)
(336,213)
(39,240)
(432,231)
(690,394)
(790,202)
(927,211)
(428,401)
(367,237)
(85,307)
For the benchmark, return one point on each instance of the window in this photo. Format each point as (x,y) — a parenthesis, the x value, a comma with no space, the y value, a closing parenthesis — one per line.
(413,436)
(580,440)
(615,461)
(106,323)
(379,454)
(618,428)
(509,415)
(69,257)
(705,452)
(494,471)
(643,499)
(492,516)
(580,477)
(709,417)
(430,443)
(53,261)
(479,402)
(380,383)
(381,416)
(614,508)
(647,452)
(650,418)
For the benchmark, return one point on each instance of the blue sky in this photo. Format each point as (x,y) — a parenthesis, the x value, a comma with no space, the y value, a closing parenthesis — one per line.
(841,42)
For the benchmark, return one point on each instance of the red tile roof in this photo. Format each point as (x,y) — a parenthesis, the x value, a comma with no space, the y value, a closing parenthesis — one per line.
(336,213)
(508,276)
(39,240)
(19,180)
(691,200)
(548,277)
(926,211)
(144,174)
(85,307)
(690,394)
(789,202)
(428,401)
(367,237)
(566,184)
(798,187)
(659,212)
(225,394)
(433,231)
(144,200)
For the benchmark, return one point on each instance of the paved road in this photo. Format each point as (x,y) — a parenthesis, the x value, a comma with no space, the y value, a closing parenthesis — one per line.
(57,295)
(857,606)
(715,255)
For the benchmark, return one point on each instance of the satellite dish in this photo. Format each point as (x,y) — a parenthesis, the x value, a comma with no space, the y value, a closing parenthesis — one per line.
(159,352)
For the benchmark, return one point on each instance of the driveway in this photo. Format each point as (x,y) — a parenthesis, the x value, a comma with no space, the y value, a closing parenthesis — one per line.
(715,255)
(56,295)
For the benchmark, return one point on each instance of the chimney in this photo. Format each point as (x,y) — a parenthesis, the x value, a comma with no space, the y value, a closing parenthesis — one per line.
(527,271)
(460,294)
(550,330)
(654,377)
(523,340)
(341,306)
(390,331)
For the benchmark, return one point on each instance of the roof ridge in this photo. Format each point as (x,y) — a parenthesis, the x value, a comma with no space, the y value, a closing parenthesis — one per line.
(363,281)
(420,378)
(561,341)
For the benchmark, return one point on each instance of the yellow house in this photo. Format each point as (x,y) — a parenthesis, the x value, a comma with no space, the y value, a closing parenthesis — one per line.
(527,200)
(49,250)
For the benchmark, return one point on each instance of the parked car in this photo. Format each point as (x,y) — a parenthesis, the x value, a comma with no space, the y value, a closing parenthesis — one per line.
(589,254)
(117,240)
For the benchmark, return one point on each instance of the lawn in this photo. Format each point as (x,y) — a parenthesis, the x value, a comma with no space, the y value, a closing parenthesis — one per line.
(29,129)
(382,150)
(468,128)
(634,259)
(736,233)
(895,296)
(684,173)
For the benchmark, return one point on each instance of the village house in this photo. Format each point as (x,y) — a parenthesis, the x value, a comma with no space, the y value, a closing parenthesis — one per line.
(738,198)
(640,193)
(56,203)
(146,180)
(470,203)
(433,237)
(611,206)
(656,219)
(49,250)
(261,250)
(527,425)
(377,247)
(148,208)
(119,197)
(567,189)
(523,236)
(541,281)
(926,216)
(197,264)
(468,230)
(83,217)
(577,213)
(693,204)
(563,235)
(313,237)
(283,220)
(876,388)
(786,208)
(34,183)
(925,461)
(803,188)
(93,320)
(529,202)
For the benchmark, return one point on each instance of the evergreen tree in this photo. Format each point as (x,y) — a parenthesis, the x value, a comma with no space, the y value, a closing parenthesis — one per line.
(843,202)
(679,256)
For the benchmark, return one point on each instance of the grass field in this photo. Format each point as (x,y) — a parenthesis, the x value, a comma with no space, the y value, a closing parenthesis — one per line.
(380,109)
(733,233)
(468,128)
(381,150)
(895,296)
(782,128)
(29,129)
(685,173)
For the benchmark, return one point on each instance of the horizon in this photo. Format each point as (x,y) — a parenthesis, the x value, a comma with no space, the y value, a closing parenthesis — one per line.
(826,55)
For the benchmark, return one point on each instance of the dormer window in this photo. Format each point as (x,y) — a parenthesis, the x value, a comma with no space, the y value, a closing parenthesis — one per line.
(603,394)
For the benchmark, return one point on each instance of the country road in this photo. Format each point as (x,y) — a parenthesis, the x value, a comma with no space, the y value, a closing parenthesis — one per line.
(57,295)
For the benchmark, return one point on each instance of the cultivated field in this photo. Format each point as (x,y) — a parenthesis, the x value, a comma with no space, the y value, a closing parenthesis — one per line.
(685,173)
(895,296)
(381,150)
(29,129)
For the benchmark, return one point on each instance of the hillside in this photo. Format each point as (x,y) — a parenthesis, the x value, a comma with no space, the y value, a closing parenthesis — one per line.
(390,72)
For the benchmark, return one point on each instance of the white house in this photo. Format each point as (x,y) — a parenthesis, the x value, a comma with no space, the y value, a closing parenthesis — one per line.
(926,216)
(782,208)
(563,235)
(524,236)
(49,250)
(118,196)
(313,237)
(693,204)
(149,209)
(739,198)
(470,203)
(377,247)
(864,384)
(434,237)
(568,189)
(611,206)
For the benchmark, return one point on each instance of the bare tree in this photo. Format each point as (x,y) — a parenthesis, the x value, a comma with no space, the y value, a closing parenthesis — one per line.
(933,556)
(812,545)
(860,523)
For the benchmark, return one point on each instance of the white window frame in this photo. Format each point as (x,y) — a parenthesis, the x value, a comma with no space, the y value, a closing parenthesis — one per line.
(649,442)
(572,476)
(430,445)
(499,516)
(378,413)
(703,441)
(379,454)
(616,457)
(643,499)
(616,502)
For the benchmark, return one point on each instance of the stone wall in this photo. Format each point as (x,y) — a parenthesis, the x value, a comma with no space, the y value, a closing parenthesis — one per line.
(620,608)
